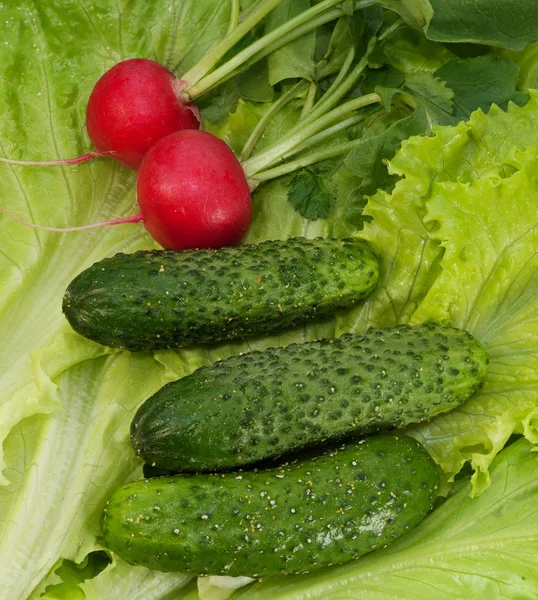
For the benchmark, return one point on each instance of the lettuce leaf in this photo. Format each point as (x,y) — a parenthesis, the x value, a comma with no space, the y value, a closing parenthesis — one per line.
(65,403)
(458,240)
(121,580)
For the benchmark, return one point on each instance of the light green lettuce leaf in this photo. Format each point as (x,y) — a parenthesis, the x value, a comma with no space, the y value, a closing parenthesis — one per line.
(479,548)
(407,255)
(120,581)
(61,467)
(457,240)
(486,146)
(63,436)
(489,286)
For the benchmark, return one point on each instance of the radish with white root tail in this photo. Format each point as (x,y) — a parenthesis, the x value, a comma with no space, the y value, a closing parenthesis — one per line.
(138,102)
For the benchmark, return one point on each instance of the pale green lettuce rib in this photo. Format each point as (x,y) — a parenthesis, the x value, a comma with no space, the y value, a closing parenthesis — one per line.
(121,580)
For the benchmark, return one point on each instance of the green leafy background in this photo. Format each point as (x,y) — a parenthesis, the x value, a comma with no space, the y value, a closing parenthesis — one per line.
(505,24)
(456,238)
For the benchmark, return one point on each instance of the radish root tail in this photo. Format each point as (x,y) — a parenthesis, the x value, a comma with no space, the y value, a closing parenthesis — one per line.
(48,163)
(134,219)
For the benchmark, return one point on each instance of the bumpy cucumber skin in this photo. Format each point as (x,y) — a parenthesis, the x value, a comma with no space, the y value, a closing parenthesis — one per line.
(291,519)
(265,404)
(162,299)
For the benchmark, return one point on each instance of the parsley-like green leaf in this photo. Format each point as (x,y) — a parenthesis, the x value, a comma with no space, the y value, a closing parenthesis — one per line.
(311,194)
(367,160)
(433,95)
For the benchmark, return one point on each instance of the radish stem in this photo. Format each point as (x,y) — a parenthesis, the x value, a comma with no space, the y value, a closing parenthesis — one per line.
(335,93)
(342,73)
(299,134)
(325,134)
(209,61)
(390,30)
(275,108)
(326,17)
(248,11)
(300,163)
(234,17)
(201,80)
(310,99)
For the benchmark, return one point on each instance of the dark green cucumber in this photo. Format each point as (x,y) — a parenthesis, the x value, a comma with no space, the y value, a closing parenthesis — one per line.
(291,519)
(266,404)
(163,299)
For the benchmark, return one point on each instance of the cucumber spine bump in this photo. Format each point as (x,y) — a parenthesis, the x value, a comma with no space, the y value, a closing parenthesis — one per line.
(263,405)
(151,300)
(291,519)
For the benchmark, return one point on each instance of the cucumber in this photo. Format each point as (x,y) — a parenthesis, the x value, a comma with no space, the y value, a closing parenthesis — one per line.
(290,519)
(164,299)
(263,405)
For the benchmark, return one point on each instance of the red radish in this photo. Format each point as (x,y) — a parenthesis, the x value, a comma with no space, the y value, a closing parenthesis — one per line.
(193,192)
(133,105)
